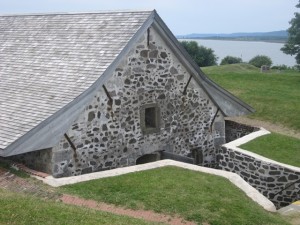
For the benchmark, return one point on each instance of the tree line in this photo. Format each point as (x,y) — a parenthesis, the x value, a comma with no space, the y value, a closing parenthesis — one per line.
(204,56)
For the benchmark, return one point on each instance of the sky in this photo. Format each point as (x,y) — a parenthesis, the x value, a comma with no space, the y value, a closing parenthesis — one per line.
(181,16)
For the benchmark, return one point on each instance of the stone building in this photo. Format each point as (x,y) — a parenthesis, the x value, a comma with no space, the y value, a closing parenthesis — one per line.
(87,92)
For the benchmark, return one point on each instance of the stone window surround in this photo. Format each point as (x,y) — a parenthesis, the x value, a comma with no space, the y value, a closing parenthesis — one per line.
(150,130)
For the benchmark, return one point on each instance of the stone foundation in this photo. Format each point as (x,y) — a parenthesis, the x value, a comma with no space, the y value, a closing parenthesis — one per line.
(38,160)
(236,130)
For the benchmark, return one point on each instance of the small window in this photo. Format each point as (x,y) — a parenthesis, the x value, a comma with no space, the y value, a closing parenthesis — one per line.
(150,118)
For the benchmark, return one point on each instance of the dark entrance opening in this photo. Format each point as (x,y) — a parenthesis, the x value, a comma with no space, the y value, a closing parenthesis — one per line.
(148,158)
(150,117)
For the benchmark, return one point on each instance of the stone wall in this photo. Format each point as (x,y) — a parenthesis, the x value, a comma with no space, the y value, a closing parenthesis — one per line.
(267,176)
(236,130)
(38,160)
(108,134)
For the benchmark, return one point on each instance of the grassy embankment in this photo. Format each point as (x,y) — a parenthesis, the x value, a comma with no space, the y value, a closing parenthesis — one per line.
(24,209)
(276,99)
(170,190)
(275,95)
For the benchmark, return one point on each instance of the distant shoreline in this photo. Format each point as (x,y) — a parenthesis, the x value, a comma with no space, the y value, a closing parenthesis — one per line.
(247,39)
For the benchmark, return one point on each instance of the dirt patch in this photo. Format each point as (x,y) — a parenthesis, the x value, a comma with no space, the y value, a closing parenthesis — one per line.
(139,214)
(267,125)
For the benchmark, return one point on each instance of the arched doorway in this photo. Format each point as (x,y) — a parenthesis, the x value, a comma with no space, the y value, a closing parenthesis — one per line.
(148,158)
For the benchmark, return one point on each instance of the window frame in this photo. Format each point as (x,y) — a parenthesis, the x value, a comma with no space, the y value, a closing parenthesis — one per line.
(150,130)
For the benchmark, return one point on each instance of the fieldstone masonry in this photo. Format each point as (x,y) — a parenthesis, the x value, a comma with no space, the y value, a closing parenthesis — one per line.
(277,182)
(236,130)
(108,133)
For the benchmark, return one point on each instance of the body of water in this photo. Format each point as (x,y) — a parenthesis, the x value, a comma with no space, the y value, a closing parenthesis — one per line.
(247,50)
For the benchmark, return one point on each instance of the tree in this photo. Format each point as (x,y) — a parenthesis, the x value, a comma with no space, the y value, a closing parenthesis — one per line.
(231,60)
(261,60)
(292,46)
(201,55)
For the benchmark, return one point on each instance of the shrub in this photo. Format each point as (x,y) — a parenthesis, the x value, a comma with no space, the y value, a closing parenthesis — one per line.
(231,60)
(201,55)
(261,60)
(280,67)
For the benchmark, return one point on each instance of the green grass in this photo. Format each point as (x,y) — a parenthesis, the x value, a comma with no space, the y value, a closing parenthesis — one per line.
(18,173)
(192,195)
(20,209)
(277,147)
(275,96)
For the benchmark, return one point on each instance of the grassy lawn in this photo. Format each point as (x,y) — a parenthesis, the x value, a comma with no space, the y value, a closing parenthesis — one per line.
(20,209)
(192,195)
(275,96)
(277,147)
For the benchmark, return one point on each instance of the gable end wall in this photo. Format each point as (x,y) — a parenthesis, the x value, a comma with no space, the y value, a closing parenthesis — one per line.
(109,135)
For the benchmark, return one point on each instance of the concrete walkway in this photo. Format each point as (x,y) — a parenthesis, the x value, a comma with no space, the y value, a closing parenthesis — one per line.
(232,177)
(290,209)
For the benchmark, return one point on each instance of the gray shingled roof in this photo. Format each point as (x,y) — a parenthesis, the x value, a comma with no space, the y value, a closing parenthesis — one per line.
(48,60)
(51,65)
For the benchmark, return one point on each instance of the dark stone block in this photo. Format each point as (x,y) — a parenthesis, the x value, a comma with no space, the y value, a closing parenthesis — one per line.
(173,70)
(66,145)
(132,141)
(153,54)
(108,164)
(127,81)
(266,167)
(244,174)
(93,163)
(144,53)
(282,179)
(95,157)
(251,166)
(270,179)
(104,127)
(91,116)
(293,177)
(118,102)
(151,66)
(87,170)
(248,159)
(239,158)
(104,139)
(274,172)
(163,55)
(161,96)
(236,168)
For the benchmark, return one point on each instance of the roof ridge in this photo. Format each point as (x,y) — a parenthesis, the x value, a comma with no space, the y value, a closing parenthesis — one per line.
(79,13)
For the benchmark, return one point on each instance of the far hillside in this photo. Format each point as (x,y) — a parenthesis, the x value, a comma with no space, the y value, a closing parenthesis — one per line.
(273,36)
(274,95)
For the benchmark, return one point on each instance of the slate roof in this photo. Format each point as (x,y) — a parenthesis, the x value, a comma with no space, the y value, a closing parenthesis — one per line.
(52,64)
(48,60)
